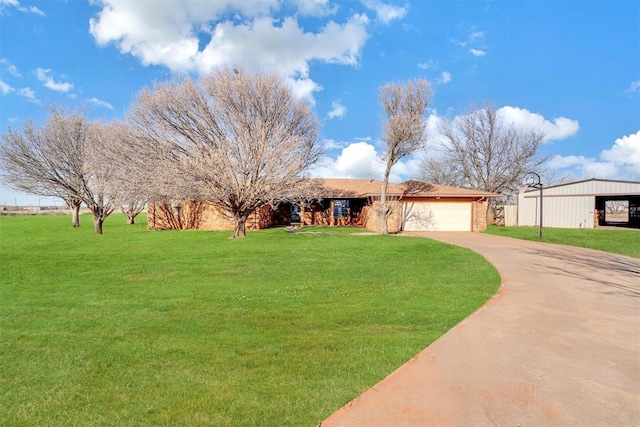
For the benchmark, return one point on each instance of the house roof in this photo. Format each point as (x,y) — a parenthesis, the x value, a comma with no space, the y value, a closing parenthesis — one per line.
(425,189)
(335,188)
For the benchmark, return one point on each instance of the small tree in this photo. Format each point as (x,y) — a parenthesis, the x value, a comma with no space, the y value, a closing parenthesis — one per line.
(403,130)
(132,209)
(118,151)
(99,190)
(482,152)
(235,139)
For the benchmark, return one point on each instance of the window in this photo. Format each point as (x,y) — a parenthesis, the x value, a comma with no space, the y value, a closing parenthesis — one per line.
(340,208)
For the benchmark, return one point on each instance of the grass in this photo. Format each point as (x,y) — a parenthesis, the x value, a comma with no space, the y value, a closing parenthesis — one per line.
(623,241)
(139,327)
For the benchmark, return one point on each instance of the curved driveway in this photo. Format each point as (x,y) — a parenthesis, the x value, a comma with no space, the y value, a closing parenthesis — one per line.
(559,344)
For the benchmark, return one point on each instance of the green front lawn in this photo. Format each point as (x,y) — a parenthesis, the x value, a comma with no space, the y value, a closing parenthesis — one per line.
(141,327)
(623,241)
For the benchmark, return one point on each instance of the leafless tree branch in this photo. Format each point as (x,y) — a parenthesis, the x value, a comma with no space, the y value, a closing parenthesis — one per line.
(403,131)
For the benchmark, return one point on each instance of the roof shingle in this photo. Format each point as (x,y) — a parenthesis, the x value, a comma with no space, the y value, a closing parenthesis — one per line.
(333,188)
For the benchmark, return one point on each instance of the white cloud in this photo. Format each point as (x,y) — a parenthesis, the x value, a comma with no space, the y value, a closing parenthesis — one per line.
(195,36)
(48,82)
(27,92)
(337,110)
(434,137)
(430,64)
(471,38)
(362,160)
(474,41)
(559,128)
(357,160)
(633,87)
(13,70)
(331,144)
(621,161)
(5,88)
(5,4)
(316,7)
(445,77)
(35,10)
(385,12)
(9,67)
(286,49)
(303,88)
(100,103)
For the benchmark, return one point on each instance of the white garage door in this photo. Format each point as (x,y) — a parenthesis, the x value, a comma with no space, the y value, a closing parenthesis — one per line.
(437,216)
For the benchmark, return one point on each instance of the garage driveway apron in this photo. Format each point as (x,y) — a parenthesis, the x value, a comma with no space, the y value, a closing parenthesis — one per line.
(559,344)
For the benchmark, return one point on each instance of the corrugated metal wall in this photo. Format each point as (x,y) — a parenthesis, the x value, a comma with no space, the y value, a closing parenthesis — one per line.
(510,215)
(571,205)
(594,187)
(564,212)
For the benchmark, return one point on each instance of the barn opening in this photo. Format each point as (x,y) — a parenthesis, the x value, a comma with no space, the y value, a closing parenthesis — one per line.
(618,211)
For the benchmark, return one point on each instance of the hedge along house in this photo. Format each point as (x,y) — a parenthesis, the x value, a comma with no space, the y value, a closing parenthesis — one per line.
(417,206)
(582,204)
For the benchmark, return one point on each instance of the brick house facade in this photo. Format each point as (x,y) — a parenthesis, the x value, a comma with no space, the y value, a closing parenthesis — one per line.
(339,202)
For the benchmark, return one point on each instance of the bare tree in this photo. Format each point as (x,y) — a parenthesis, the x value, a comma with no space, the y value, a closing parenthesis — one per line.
(437,171)
(99,185)
(118,151)
(483,152)
(132,209)
(47,161)
(403,130)
(235,139)
(61,159)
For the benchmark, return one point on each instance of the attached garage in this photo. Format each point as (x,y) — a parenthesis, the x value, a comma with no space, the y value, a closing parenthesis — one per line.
(433,207)
(437,216)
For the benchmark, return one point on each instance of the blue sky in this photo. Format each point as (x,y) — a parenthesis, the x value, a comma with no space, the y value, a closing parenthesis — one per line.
(568,68)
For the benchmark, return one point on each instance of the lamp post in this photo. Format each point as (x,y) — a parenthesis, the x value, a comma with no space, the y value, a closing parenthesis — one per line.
(533,180)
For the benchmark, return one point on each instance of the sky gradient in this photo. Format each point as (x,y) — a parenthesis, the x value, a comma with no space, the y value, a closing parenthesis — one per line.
(568,68)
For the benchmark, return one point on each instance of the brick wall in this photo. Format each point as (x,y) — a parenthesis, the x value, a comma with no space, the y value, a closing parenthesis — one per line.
(202,216)
(478,216)
(371,220)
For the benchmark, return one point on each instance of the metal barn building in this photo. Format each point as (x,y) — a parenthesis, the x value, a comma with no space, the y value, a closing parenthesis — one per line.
(582,204)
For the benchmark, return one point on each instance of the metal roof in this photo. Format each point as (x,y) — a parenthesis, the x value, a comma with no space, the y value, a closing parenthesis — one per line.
(591,187)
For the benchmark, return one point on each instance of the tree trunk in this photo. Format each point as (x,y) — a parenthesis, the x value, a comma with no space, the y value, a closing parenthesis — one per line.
(491,211)
(383,216)
(131,219)
(97,224)
(384,212)
(98,217)
(241,223)
(75,213)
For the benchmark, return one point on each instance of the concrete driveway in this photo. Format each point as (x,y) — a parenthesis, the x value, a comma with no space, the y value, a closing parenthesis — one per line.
(559,344)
